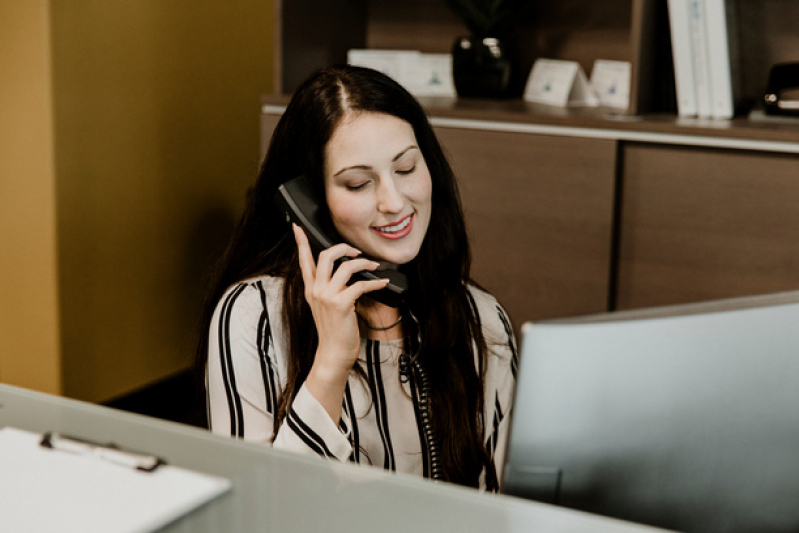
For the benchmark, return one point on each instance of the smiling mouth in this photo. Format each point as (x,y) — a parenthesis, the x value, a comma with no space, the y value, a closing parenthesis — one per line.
(397,230)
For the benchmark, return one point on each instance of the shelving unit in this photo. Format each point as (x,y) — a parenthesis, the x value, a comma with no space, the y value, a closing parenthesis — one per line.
(314,33)
(575,211)
(317,32)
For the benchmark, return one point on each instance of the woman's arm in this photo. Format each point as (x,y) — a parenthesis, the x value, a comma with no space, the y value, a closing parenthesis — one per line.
(242,381)
(246,376)
(332,303)
(500,379)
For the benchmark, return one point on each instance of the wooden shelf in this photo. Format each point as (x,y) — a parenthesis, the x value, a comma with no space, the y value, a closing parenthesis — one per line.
(320,32)
(504,114)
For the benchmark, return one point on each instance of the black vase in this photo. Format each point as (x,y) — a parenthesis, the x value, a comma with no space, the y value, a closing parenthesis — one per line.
(481,67)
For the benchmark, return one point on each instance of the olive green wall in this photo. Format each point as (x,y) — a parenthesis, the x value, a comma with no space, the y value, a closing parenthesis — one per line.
(156,138)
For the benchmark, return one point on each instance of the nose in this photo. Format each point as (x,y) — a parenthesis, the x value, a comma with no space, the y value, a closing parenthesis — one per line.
(389,196)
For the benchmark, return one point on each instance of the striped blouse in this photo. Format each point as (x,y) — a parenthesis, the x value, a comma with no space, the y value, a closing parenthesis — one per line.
(380,423)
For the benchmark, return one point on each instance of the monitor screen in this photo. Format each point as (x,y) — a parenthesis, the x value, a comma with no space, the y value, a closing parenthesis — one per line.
(685,418)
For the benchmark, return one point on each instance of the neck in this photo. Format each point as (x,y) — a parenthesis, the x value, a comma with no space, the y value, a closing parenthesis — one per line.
(378,321)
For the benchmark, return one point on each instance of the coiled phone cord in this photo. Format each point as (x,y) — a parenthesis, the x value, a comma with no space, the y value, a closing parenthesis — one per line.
(410,364)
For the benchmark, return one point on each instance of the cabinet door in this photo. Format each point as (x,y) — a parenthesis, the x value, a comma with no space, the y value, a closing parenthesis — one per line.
(701,224)
(539,211)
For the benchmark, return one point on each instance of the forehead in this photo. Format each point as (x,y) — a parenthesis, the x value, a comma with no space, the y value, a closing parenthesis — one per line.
(369,133)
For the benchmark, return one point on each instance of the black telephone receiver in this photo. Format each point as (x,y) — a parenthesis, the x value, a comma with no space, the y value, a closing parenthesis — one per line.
(299,204)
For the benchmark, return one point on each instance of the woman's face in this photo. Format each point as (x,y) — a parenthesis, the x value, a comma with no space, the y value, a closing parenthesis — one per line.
(378,187)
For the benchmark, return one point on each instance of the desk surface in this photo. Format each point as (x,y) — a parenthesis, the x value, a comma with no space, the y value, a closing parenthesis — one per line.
(281,491)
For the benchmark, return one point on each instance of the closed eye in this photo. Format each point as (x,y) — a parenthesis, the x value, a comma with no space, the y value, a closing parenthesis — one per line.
(357,187)
(405,172)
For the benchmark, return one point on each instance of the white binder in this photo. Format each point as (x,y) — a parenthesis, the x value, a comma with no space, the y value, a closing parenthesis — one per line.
(721,54)
(699,43)
(680,21)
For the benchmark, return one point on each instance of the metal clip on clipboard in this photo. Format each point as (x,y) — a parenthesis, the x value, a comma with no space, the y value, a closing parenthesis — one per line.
(107,452)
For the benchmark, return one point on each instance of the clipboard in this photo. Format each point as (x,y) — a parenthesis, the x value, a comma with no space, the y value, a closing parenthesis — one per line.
(50,489)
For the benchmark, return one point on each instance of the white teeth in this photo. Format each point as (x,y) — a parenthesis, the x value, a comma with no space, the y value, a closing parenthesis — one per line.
(398,227)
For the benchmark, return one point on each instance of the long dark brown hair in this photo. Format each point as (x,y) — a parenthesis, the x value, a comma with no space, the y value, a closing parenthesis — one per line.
(446,324)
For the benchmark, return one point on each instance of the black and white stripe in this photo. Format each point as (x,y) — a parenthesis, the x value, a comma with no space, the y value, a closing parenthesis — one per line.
(263,342)
(514,364)
(349,408)
(498,416)
(226,361)
(306,434)
(476,313)
(379,398)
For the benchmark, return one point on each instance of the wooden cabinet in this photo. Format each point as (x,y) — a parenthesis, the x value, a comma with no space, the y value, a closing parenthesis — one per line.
(573,214)
(700,224)
(539,210)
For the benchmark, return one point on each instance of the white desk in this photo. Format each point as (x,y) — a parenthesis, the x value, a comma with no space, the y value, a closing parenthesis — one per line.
(281,491)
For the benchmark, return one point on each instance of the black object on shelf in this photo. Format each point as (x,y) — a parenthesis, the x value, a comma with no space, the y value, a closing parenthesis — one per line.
(484,64)
(481,67)
(782,90)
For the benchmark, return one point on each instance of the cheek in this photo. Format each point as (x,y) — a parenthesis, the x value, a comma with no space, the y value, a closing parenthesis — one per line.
(348,213)
(422,193)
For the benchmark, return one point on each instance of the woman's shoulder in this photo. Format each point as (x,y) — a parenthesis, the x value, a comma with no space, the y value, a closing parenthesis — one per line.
(255,284)
(497,328)
(252,295)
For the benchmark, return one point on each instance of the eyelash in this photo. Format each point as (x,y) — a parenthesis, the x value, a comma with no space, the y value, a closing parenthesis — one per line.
(406,172)
(364,184)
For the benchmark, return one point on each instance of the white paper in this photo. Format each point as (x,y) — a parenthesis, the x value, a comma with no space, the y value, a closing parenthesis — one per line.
(389,62)
(429,75)
(421,74)
(610,81)
(51,490)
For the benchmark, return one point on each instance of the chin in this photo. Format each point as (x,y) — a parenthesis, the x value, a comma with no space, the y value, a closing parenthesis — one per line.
(396,252)
(397,257)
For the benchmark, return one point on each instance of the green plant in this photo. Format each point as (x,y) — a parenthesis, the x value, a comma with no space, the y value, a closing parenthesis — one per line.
(487,18)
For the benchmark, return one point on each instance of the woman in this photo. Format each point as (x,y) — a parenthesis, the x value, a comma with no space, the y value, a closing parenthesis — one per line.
(298,357)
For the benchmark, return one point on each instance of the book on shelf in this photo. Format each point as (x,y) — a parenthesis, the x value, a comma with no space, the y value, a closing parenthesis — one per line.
(704,51)
(679,24)
(722,56)
(698,28)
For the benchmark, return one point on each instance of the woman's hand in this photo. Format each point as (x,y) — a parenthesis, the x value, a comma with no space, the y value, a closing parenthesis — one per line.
(332,303)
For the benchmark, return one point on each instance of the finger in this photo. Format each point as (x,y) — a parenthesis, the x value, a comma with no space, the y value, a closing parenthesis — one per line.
(327,260)
(347,269)
(358,289)
(307,263)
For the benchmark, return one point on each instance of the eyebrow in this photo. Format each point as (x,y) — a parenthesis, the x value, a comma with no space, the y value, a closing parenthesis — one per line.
(367,167)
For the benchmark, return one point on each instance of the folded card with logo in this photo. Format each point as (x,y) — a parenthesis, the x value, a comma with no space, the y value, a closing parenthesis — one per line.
(611,82)
(559,83)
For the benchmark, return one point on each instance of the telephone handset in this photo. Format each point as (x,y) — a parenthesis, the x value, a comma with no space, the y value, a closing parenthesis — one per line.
(299,204)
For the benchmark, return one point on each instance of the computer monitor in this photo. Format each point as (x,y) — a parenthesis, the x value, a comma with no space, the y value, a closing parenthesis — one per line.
(684,417)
